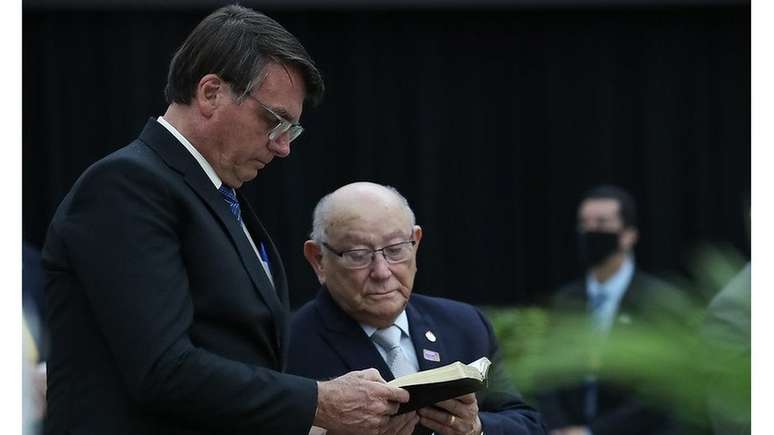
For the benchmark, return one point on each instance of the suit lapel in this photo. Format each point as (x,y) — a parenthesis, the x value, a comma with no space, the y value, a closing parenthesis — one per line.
(347,338)
(259,234)
(178,158)
(631,300)
(279,293)
(428,341)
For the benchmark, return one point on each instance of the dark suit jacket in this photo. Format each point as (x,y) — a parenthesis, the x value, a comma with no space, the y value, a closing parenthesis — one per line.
(162,319)
(325,342)
(646,301)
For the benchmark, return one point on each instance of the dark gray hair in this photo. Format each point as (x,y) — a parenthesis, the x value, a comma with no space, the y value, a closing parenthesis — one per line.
(322,213)
(627,205)
(236,43)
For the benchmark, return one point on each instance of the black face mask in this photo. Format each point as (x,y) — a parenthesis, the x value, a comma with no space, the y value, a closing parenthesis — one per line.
(594,247)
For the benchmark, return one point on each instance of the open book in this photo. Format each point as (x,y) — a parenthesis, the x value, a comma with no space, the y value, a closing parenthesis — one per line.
(447,382)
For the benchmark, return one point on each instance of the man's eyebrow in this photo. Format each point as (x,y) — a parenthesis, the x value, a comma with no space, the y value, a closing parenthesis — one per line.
(353,240)
(396,234)
(359,240)
(281,111)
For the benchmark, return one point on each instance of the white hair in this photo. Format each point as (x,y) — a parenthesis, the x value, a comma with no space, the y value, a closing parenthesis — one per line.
(322,212)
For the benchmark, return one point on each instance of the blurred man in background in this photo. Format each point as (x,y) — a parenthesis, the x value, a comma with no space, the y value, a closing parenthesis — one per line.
(363,250)
(34,341)
(615,294)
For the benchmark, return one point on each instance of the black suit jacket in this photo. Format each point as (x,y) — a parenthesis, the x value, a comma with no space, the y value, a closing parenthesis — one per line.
(162,319)
(325,342)
(647,301)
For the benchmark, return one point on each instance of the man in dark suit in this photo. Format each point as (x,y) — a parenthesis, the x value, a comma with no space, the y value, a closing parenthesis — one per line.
(363,249)
(615,294)
(167,300)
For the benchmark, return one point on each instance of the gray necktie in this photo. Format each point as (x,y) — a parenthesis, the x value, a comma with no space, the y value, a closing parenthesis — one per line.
(389,340)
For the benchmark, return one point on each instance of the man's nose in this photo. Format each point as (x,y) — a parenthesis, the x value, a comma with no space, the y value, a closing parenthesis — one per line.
(280,146)
(380,269)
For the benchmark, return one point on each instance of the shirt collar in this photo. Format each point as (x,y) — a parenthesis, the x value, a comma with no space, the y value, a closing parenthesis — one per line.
(401,322)
(194,152)
(615,285)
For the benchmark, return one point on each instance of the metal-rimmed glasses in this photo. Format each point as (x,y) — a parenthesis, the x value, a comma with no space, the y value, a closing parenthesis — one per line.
(293,129)
(363,257)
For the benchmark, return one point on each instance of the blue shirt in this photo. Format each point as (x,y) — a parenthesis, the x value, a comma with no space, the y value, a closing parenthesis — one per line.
(612,290)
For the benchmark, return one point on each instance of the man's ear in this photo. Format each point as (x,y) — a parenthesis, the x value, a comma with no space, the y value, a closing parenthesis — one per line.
(209,93)
(313,255)
(629,238)
(417,236)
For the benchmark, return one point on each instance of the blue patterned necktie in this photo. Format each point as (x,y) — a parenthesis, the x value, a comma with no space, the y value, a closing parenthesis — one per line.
(229,195)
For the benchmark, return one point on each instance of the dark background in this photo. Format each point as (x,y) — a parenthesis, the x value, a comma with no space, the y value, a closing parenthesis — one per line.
(491,120)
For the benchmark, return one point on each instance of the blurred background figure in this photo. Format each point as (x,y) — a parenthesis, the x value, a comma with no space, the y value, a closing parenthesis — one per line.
(33,297)
(34,341)
(614,293)
(727,333)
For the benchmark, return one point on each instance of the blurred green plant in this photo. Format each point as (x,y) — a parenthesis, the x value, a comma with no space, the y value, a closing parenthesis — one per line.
(666,360)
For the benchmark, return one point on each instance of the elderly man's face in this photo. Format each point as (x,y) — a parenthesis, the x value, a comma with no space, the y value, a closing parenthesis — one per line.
(376,294)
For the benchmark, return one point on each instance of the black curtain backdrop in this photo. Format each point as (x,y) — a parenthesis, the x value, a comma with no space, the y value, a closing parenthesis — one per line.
(491,122)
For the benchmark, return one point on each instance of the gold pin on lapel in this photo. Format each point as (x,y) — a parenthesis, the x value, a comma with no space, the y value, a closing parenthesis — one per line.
(430,336)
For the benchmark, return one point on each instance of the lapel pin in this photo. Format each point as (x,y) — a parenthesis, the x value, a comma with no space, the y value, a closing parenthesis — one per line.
(431,355)
(430,336)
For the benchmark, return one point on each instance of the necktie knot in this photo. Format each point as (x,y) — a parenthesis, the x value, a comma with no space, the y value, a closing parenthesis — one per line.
(229,195)
(388,338)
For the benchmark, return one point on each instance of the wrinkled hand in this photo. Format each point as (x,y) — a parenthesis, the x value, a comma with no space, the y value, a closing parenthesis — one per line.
(358,403)
(457,416)
(571,430)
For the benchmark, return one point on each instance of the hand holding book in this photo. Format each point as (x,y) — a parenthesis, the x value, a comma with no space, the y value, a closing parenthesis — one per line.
(458,415)
(432,386)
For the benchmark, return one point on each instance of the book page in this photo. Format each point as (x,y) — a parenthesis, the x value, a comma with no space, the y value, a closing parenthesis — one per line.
(482,365)
(456,370)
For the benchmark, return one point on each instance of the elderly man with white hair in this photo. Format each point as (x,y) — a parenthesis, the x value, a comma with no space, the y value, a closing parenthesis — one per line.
(363,250)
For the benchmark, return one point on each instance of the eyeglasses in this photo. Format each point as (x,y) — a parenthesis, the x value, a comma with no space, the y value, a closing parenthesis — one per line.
(362,258)
(283,126)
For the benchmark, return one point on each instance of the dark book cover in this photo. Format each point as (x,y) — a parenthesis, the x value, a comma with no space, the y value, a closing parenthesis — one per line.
(422,395)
